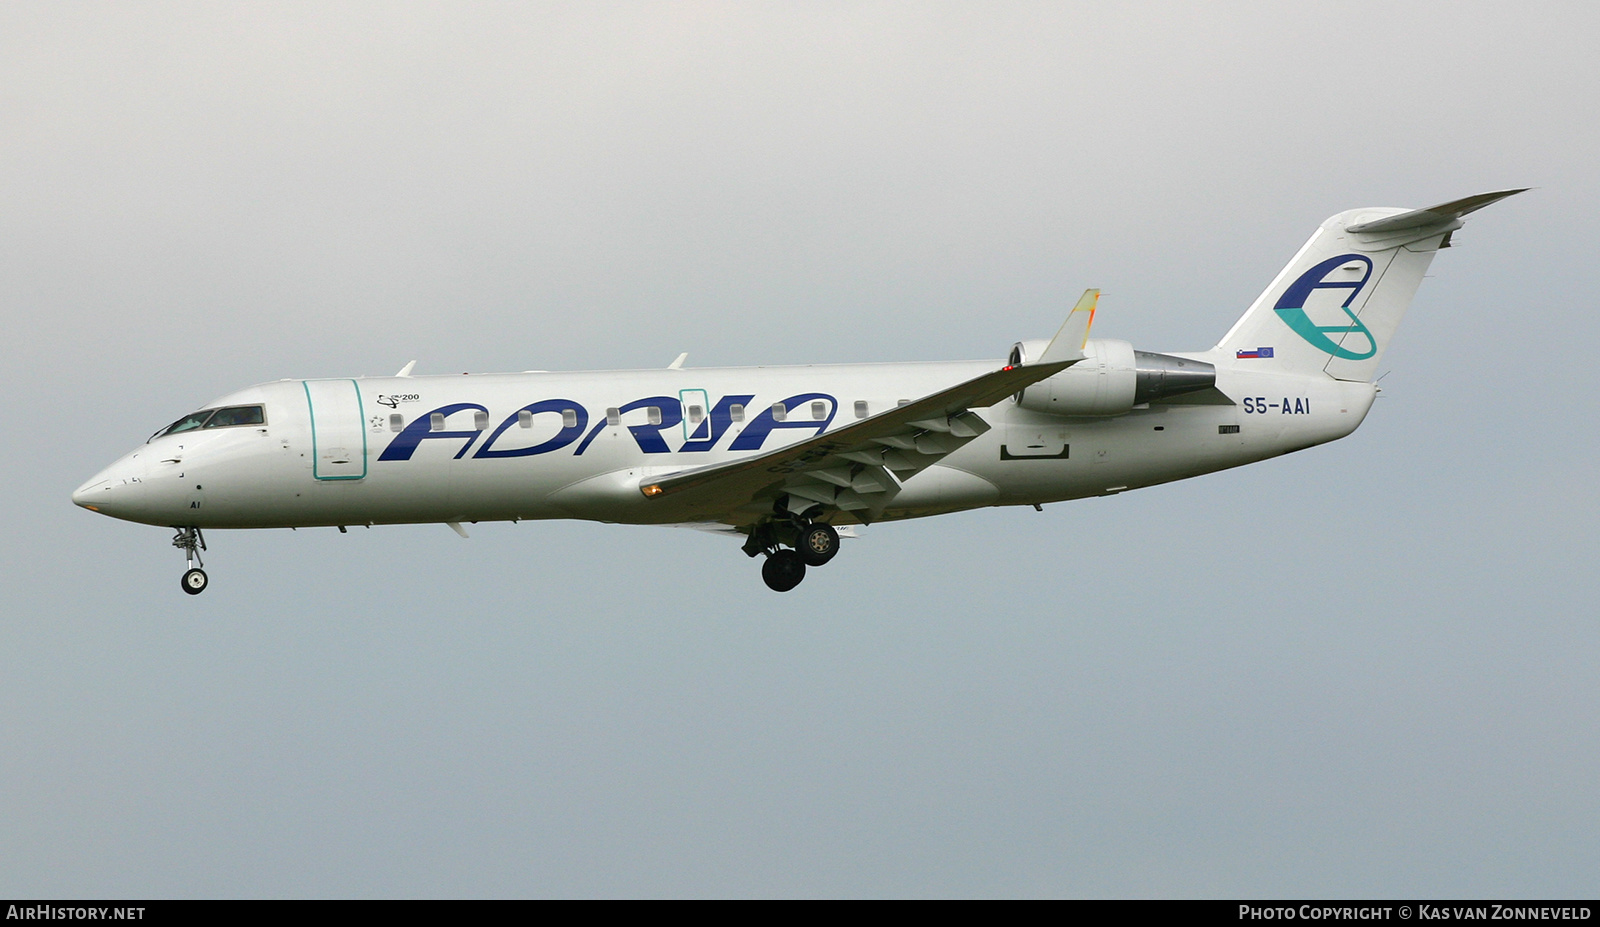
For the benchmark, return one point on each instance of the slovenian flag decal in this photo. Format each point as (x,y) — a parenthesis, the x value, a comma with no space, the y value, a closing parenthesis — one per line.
(1258,352)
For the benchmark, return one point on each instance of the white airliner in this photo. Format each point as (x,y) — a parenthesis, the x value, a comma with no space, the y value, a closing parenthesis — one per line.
(789,456)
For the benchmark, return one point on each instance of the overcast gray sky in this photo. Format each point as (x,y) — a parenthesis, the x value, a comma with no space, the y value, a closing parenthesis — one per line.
(1366,669)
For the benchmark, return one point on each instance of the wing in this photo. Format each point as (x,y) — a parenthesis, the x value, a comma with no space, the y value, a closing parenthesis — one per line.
(858,468)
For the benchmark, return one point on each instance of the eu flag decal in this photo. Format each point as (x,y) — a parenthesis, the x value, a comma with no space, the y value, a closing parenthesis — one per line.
(1258,352)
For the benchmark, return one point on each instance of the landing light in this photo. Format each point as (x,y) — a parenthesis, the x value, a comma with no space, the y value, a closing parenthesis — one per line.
(651,490)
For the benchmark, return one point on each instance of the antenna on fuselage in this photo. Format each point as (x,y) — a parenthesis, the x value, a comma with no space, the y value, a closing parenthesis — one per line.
(406,370)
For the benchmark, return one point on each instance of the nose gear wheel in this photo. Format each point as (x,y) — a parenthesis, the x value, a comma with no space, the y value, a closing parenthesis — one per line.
(194,581)
(192,542)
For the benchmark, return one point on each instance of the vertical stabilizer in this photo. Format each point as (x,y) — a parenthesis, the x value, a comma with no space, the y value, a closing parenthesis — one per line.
(1335,306)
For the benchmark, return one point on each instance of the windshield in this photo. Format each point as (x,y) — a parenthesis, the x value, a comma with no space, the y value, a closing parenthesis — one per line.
(214,418)
(236,415)
(188,423)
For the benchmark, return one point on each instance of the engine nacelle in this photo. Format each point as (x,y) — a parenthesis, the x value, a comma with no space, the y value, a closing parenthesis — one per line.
(1111,380)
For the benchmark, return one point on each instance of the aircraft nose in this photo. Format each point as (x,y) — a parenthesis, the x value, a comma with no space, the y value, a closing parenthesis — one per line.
(116,491)
(83,494)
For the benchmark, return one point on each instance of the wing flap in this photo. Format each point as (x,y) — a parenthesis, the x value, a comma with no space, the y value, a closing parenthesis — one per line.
(860,466)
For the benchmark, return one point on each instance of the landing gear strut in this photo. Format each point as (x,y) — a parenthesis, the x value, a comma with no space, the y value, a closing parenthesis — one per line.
(192,542)
(791,542)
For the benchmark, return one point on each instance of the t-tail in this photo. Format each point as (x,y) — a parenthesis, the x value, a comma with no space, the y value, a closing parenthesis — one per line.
(1338,302)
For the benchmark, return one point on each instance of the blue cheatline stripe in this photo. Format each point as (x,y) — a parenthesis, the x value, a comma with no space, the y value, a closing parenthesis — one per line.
(361,424)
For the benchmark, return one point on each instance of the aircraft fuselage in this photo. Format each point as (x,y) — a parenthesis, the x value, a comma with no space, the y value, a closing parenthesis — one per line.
(462,448)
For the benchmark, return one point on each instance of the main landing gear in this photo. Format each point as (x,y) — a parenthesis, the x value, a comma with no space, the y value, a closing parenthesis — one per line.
(192,542)
(792,543)
(783,570)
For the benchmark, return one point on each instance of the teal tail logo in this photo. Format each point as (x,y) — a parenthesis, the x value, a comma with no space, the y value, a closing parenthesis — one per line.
(1291,308)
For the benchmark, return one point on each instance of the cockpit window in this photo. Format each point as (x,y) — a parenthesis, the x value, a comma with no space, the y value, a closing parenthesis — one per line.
(236,415)
(215,418)
(188,423)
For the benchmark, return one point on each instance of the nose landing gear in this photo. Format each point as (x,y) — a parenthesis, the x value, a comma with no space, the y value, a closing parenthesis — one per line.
(192,542)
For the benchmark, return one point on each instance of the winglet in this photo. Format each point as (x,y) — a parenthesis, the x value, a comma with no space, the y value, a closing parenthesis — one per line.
(1068,343)
(406,370)
(1435,215)
(678,364)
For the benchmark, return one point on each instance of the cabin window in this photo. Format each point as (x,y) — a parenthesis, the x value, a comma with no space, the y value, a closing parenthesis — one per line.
(819,411)
(736,412)
(569,418)
(525,419)
(613,416)
(236,415)
(779,413)
(696,413)
(397,422)
(861,408)
(480,421)
(653,413)
(436,422)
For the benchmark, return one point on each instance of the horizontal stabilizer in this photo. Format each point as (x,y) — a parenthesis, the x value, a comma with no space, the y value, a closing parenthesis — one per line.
(1434,215)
